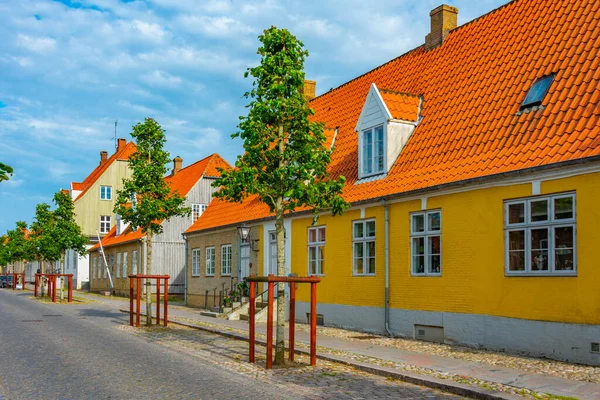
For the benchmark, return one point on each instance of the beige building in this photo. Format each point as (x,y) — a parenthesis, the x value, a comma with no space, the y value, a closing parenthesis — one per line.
(94,200)
(217,261)
(125,249)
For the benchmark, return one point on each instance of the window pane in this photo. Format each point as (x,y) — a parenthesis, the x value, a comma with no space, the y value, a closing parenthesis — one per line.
(434,245)
(358,230)
(370,229)
(368,152)
(433,221)
(539,210)
(312,253)
(516,251)
(563,208)
(371,266)
(419,264)
(312,235)
(359,266)
(539,249)
(321,260)
(379,148)
(370,249)
(516,213)
(358,250)
(563,249)
(435,263)
(418,223)
(321,234)
(312,267)
(419,246)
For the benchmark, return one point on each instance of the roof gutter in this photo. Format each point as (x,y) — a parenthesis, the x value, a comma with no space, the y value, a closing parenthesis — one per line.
(387,266)
(427,190)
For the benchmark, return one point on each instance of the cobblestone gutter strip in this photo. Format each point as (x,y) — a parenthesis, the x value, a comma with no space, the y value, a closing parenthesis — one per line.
(445,384)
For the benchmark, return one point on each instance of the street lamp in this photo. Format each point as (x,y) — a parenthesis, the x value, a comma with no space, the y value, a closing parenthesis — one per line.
(244,232)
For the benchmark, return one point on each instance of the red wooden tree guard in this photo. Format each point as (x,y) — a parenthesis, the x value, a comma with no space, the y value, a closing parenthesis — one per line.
(52,285)
(137,279)
(292,280)
(14,280)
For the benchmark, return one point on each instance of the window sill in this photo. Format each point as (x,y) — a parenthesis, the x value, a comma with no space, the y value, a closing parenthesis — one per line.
(319,275)
(364,275)
(541,274)
(434,275)
(195,276)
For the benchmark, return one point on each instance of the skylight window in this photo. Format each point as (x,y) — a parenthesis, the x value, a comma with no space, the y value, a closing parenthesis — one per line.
(537,92)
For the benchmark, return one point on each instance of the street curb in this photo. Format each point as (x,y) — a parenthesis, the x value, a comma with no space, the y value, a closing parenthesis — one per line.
(405,376)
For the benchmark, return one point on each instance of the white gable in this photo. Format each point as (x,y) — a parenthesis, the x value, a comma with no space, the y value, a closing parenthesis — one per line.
(374,111)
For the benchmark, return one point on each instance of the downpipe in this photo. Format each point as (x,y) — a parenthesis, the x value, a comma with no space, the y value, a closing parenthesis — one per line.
(387,266)
(185,267)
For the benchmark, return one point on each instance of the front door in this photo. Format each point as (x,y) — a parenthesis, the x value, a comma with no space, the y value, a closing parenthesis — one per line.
(244,261)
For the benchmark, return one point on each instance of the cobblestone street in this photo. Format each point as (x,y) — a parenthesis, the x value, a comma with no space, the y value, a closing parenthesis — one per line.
(88,351)
(325,381)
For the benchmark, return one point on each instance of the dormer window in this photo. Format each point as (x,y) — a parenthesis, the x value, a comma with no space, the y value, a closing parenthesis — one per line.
(537,92)
(386,122)
(373,150)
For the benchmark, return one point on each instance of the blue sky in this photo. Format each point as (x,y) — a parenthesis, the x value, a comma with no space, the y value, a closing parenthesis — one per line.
(70,68)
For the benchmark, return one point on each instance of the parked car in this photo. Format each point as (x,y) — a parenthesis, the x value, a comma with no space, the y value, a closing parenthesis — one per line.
(3,281)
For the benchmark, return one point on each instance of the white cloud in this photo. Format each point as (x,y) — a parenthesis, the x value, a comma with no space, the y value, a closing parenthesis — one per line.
(162,79)
(37,44)
(214,26)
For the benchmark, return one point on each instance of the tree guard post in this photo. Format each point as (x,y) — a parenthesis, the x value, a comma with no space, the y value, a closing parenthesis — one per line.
(135,289)
(292,280)
(35,288)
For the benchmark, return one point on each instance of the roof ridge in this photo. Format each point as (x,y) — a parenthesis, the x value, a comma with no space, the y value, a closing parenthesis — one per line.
(194,163)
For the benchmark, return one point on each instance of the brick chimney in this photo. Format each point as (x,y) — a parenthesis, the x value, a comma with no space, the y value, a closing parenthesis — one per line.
(309,89)
(121,143)
(443,19)
(177,162)
(103,156)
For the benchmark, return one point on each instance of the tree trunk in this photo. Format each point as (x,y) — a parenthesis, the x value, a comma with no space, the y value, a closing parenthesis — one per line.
(62,271)
(148,284)
(280,233)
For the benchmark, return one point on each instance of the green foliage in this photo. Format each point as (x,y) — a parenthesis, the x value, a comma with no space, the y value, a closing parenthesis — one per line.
(155,202)
(285,161)
(54,232)
(15,246)
(69,235)
(5,172)
(43,234)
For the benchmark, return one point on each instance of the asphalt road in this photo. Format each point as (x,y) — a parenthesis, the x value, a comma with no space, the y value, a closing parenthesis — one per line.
(52,351)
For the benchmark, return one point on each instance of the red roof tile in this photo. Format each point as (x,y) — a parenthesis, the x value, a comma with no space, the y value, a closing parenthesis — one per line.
(472,87)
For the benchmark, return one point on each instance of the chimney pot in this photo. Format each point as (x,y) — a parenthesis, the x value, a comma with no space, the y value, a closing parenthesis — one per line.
(177,163)
(443,19)
(309,89)
(103,156)
(121,143)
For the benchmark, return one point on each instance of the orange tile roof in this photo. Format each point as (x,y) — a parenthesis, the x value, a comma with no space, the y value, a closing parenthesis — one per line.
(183,181)
(402,106)
(472,88)
(122,154)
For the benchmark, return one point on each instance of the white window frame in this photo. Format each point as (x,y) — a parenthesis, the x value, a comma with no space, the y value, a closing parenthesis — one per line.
(134,262)
(364,240)
(196,262)
(551,224)
(316,245)
(210,261)
(426,235)
(105,192)
(124,268)
(362,158)
(105,219)
(226,257)
(118,273)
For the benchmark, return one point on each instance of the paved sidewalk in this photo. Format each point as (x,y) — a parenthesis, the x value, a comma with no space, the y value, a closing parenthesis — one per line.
(382,359)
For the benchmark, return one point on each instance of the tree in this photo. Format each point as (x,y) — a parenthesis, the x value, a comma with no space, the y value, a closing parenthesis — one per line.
(68,235)
(285,161)
(5,172)
(42,238)
(15,246)
(155,201)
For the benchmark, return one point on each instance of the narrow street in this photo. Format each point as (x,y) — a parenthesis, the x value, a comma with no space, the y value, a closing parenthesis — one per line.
(87,351)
